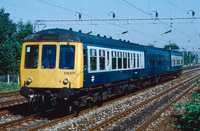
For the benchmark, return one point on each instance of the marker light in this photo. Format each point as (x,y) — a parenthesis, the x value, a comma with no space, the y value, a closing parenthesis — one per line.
(65,81)
(30,79)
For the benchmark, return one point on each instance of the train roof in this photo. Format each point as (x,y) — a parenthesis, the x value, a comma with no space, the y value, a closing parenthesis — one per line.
(176,53)
(72,36)
(155,49)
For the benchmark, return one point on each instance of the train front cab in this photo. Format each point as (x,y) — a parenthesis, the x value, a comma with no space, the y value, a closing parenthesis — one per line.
(56,80)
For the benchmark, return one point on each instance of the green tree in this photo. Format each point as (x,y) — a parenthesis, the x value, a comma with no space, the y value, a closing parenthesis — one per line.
(152,45)
(7,43)
(23,30)
(11,37)
(172,46)
(7,26)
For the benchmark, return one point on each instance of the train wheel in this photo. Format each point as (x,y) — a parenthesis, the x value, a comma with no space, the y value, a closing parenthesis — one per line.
(34,102)
(90,104)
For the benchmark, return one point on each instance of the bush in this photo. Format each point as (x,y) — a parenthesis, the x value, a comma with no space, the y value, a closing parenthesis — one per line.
(8,87)
(190,118)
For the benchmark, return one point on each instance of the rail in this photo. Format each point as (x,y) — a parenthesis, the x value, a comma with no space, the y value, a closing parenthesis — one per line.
(143,125)
(8,94)
(128,111)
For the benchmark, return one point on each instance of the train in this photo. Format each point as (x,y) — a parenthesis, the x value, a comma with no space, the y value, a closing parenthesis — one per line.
(60,66)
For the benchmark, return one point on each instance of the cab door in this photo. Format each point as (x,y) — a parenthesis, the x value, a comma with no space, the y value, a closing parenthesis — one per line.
(85,70)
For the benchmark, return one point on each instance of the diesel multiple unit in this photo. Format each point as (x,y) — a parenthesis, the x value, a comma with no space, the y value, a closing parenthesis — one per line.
(63,65)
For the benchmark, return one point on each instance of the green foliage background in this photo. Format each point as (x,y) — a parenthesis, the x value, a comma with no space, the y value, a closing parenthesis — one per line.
(8,87)
(11,38)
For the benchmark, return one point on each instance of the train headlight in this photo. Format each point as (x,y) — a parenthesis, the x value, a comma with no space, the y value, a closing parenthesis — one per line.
(30,79)
(65,81)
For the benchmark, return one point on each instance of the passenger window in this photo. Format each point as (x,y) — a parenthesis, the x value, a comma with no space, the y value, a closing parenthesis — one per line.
(125,60)
(131,60)
(93,59)
(173,63)
(134,60)
(162,61)
(137,59)
(140,60)
(178,62)
(119,60)
(157,62)
(114,60)
(181,61)
(102,59)
(150,62)
(128,60)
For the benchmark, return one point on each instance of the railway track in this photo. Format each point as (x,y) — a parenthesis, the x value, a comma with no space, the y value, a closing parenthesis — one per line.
(10,93)
(29,118)
(13,102)
(153,117)
(52,123)
(121,115)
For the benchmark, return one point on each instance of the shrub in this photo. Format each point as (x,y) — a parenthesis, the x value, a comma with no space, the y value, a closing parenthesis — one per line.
(190,118)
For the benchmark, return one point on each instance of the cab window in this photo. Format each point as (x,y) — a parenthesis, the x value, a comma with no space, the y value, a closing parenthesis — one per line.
(31,57)
(48,56)
(67,57)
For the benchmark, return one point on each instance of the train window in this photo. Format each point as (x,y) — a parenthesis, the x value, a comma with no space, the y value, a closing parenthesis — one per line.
(181,61)
(67,57)
(178,62)
(102,59)
(128,60)
(153,62)
(173,62)
(31,57)
(150,62)
(140,60)
(48,56)
(159,61)
(162,61)
(119,55)
(93,59)
(134,60)
(114,60)
(137,60)
(125,60)
(131,60)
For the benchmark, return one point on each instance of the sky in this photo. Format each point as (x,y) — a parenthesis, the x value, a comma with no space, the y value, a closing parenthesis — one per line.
(184,32)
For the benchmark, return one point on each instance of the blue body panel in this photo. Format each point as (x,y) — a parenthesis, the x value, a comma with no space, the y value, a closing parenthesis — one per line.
(156,54)
(111,76)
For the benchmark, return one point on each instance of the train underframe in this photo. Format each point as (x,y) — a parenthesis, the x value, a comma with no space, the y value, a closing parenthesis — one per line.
(73,99)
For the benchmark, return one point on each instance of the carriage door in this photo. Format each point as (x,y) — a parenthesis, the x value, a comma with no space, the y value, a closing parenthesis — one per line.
(108,63)
(85,67)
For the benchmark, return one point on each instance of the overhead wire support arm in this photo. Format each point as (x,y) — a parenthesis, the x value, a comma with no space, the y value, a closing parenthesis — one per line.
(116,21)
